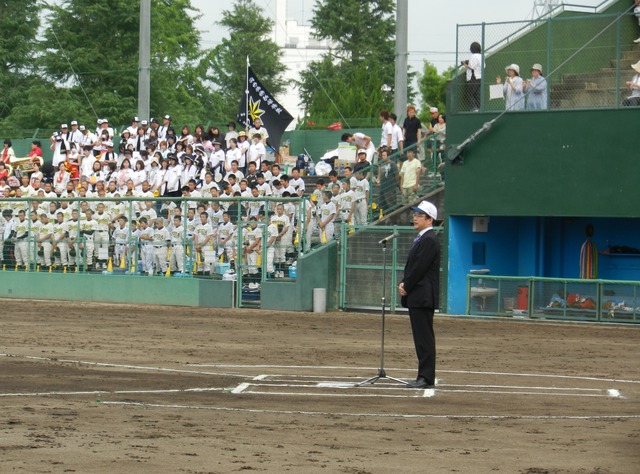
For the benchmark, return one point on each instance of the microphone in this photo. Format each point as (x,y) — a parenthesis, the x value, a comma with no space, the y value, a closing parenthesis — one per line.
(389,237)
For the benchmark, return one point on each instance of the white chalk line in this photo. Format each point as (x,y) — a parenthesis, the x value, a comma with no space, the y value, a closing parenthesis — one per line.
(371,415)
(368,395)
(121,366)
(113,392)
(387,386)
(396,369)
(264,376)
(328,367)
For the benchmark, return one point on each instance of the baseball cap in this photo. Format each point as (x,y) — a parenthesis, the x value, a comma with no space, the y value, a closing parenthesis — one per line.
(144,122)
(135,119)
(167,117)
(64,125)
(362,150)
(74,122)
(425,207)
(433,109)
(82,128)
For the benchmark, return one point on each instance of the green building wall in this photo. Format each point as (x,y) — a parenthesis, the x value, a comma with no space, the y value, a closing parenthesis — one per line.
(556,163)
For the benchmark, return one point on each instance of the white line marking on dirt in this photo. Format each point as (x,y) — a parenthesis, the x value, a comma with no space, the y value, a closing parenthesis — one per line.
(121,366)
(112,392)
(553,376)
(524,387)
(333,385)
(495,392)
(261,377)
(373,415)
(429,393)
(240,388)
(340,367)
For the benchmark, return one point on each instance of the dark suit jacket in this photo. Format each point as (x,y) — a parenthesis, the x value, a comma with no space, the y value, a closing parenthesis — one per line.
(422,273)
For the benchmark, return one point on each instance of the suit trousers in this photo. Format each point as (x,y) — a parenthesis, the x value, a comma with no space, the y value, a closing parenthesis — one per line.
(425,342)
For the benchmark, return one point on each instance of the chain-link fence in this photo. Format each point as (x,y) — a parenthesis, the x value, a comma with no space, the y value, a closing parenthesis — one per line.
(584,61)
(154,236)
(363,260)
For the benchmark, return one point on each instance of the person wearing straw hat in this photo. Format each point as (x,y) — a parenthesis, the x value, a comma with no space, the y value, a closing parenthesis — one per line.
(513,88)
(536,89)
(634,87)
(420,291)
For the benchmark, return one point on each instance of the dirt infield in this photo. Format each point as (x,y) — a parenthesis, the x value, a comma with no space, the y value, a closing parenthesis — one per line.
(114,388)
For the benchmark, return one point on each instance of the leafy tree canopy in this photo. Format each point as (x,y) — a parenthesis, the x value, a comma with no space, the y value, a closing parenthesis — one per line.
(249,36)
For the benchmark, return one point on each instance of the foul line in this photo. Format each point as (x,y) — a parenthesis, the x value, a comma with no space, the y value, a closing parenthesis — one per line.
(376,415)
(326,367)
(113,392)
(121,366)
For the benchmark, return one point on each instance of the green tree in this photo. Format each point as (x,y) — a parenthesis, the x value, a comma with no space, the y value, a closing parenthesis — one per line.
(358,72)
(249,32)
(433,89)
(92,52)
(19,25)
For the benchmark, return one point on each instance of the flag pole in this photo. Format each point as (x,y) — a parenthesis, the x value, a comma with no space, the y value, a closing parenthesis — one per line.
(246,92)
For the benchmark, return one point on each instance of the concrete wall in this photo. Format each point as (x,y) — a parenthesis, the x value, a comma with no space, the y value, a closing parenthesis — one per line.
(117,289)
(317,269)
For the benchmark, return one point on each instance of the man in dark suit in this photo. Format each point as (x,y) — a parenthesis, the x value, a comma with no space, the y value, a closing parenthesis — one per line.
(420,289)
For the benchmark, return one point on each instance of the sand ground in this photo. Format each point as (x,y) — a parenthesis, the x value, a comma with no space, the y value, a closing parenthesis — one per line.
(118,388)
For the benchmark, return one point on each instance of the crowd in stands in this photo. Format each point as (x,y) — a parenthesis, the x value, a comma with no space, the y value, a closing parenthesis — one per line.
(221,178)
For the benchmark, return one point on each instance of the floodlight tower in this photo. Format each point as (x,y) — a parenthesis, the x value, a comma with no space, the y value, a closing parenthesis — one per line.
(542,7)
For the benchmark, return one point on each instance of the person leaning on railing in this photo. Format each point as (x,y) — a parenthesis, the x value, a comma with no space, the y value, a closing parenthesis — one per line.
(410,177)
(634,87)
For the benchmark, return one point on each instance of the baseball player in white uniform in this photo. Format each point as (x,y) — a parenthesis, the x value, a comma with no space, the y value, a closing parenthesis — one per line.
(161,241)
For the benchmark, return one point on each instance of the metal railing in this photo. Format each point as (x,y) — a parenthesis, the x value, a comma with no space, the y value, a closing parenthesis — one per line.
(554,298)
(383,190)
(585,59)
(75,246)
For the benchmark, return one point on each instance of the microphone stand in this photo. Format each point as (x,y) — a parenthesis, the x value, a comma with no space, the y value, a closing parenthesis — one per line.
(381,372)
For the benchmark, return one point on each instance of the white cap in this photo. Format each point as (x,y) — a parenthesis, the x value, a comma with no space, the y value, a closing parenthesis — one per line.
(427,208)
(433,109)
(73,122)
(64,125)
(362,150)
(99,121)
(82,128)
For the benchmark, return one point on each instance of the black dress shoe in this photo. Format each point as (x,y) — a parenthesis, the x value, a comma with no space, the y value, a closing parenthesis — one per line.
(421,382)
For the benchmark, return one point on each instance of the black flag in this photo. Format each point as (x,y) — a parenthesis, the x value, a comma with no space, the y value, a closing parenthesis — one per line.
(264,106)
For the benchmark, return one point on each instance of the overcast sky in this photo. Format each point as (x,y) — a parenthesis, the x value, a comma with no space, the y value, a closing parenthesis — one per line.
(432,23)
